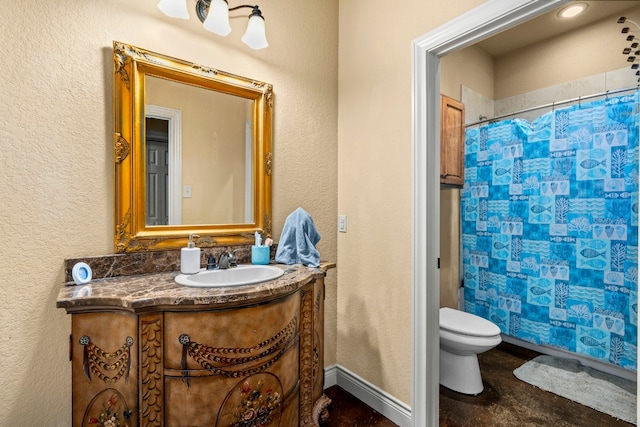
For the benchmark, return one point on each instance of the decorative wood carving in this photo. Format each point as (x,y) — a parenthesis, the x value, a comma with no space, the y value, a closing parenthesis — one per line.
(268,163)
(267,225)
(306,357)
(205,70)
(321,410)
(97,361)
(270,96)
(121,59)
(206,242)
(122,148)
(238,362)
(124,241)
(317,368)
(152,379)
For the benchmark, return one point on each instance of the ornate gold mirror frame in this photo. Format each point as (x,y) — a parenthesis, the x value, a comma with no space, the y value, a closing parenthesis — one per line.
(132,233)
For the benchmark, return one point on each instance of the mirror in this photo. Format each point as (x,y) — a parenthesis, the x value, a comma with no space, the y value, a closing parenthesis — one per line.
(214,140)
(192,153)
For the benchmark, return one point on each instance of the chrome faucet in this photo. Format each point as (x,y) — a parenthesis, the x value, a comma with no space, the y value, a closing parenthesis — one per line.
(227,260)
(211,263)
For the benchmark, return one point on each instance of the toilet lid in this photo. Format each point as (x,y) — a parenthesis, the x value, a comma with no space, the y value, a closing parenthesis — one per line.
(464,323)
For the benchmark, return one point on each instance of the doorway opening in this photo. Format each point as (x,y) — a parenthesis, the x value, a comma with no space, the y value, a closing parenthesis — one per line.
(485,20)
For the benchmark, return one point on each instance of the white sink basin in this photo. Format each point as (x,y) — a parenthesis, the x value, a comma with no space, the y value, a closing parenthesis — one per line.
(241,275)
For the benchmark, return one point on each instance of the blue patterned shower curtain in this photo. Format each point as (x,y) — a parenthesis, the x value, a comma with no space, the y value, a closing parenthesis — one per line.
(550,228)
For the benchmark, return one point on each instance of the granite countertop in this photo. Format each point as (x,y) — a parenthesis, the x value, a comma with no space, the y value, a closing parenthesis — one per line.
(144,292)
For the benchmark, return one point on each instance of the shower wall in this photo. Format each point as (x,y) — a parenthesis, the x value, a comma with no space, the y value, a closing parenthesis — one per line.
(550,228)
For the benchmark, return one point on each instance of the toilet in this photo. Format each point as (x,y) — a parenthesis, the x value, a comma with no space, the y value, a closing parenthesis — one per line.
(462,337)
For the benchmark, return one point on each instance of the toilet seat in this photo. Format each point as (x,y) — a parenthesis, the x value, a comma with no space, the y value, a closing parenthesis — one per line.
(463,323)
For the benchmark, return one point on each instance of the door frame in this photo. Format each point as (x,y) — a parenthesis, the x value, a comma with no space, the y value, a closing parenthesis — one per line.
(487,19)
(174,185)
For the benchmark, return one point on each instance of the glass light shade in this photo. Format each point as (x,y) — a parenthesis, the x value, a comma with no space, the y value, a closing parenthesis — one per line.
(174,8)
(255,36)
(218,18)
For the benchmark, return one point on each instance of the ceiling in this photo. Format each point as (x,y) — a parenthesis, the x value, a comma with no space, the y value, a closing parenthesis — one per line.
(549,25)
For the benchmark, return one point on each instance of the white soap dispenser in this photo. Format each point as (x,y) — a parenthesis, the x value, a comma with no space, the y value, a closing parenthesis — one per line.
(190,257)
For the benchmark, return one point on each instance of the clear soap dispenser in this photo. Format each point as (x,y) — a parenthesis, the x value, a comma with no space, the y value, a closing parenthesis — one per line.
(190,257)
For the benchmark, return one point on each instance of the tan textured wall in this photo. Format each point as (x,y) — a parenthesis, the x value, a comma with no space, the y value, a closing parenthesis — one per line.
(375,184)
(582,53)
(471,67)
(56,162)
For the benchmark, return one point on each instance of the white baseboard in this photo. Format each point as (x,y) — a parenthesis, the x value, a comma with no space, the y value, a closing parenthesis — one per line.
(330,376)
(382,402)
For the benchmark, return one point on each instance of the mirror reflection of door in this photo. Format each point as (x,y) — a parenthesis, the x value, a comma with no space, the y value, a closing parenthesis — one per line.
(157,146)
(163,131)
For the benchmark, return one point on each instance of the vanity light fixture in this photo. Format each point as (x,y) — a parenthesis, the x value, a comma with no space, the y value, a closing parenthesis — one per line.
(174,9)
(214,15)
(572,10)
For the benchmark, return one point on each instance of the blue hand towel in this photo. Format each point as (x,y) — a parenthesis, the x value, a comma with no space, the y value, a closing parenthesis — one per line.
(298,239)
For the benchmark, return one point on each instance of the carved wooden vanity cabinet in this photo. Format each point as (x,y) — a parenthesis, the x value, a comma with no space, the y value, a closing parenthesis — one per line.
(148,352)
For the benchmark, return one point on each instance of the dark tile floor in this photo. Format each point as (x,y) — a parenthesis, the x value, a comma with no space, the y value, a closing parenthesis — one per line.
(347,411)
(505,401)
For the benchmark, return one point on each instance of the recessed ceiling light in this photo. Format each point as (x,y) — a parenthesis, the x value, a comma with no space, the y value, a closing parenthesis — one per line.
(572,10)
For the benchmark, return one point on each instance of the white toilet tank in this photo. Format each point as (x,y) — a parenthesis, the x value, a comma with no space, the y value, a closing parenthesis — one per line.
(463,323)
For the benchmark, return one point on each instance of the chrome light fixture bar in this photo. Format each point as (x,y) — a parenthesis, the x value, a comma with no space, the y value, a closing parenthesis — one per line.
(214,15)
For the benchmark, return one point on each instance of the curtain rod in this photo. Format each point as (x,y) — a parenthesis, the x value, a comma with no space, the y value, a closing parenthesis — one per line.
(554,104)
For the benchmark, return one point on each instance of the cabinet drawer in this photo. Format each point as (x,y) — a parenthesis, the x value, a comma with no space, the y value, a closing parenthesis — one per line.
(231,363)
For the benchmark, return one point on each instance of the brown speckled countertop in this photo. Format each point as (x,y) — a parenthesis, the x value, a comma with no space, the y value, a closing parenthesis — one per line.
(146,292)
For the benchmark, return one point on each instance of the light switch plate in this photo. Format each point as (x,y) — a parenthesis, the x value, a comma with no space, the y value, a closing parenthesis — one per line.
(342,223)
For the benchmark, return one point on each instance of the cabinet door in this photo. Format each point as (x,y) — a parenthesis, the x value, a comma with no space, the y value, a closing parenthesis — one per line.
(104,369)
(451,141)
